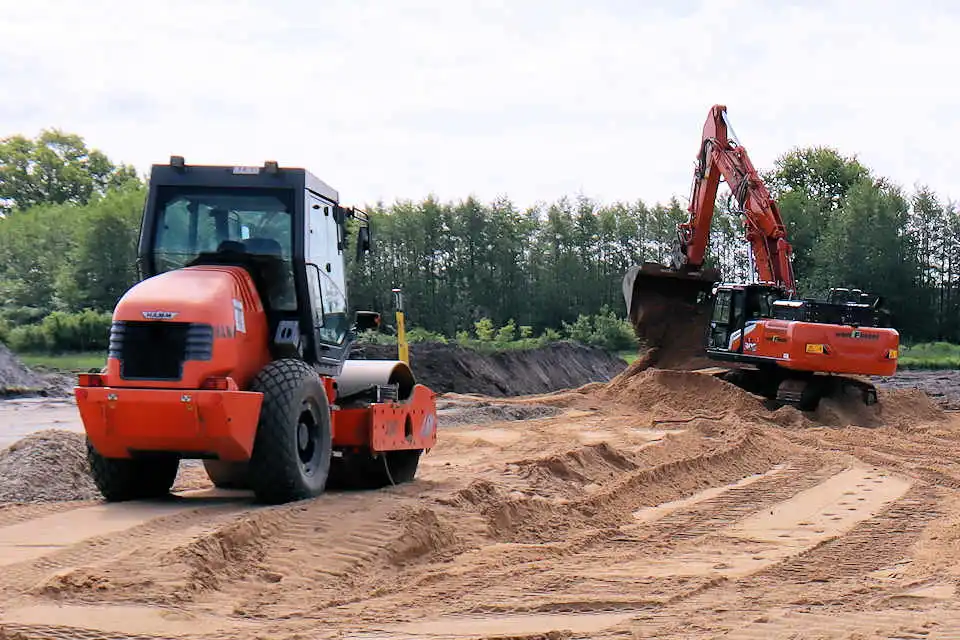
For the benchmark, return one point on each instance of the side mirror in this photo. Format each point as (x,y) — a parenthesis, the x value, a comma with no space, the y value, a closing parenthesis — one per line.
(364,242)
(366,321)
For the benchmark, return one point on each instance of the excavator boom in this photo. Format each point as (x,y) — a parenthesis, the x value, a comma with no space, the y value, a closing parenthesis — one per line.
(669,306)
(721,156)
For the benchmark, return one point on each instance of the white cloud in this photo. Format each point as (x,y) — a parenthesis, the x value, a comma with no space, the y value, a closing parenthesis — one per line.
(531,99)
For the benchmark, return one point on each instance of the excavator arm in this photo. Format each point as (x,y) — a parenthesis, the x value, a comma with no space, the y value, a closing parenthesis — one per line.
(721,156)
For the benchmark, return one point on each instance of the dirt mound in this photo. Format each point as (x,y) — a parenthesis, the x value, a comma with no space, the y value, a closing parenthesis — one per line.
(591,464)
(425,535)
(226,553)
(667,390)
(47,466)
(15,377)
(899,408)
(452,369)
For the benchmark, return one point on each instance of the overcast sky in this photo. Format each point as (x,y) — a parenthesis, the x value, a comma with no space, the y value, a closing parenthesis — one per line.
(530,99)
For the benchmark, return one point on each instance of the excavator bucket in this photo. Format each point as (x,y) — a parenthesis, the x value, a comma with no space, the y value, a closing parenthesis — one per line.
(670,311)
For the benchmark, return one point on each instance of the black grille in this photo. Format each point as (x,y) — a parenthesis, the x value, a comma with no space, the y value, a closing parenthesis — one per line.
(157,350)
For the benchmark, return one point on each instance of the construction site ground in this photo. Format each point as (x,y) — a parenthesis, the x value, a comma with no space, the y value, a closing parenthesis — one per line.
(661,504)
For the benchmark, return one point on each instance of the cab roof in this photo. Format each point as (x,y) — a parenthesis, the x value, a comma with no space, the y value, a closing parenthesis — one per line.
(178,173)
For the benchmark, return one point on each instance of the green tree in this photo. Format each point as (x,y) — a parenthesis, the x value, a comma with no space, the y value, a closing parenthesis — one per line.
(810,184)
(33,246)
(866,246)
(102,264)
(54,168)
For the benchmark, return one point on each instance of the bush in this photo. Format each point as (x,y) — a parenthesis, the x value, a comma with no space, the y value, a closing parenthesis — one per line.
(507,333)
(62,332)
(605,330)
(376,337)
(29,338)
(612,332)
(17,316)
(484,329)
(418,334)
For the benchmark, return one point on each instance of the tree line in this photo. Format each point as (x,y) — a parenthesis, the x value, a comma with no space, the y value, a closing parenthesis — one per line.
(69,220)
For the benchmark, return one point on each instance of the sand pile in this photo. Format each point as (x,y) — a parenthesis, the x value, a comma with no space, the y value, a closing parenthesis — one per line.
(47,466)
(678,391)
(424,535)
(902,409)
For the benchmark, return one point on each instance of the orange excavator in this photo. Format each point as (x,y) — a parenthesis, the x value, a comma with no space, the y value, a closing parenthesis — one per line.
(233,348)
(792,350)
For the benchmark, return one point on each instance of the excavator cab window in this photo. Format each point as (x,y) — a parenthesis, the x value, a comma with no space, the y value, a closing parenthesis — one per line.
(720,320)
(728,317)
(759,304)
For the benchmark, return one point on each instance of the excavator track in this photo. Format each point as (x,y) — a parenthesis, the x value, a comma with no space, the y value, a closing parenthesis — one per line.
(803,391)
(805,394)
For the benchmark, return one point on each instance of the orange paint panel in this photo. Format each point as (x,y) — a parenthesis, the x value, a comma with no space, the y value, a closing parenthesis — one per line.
(351,427)
(411,425)
(223,297)
(389,426)
(850,351)
(118,420)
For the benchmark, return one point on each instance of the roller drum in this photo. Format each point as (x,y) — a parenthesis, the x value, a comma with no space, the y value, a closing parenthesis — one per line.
(359,376)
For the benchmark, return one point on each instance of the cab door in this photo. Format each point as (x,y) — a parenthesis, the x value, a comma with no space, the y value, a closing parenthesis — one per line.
(326,278)
(727,319)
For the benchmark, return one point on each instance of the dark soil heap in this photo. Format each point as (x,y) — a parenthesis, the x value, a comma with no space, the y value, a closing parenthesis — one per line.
(15,377)
(449,368)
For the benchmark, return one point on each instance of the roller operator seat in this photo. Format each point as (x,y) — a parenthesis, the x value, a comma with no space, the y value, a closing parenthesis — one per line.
(277,275)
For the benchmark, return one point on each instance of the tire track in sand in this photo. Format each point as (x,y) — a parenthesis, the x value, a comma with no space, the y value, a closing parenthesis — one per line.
(337,541)
(38,548)
(837,575)
(698,573)
(553,578)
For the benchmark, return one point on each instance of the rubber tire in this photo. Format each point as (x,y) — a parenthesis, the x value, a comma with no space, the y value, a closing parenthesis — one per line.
(358,471)
(277,474)
(122,479)
(227,475)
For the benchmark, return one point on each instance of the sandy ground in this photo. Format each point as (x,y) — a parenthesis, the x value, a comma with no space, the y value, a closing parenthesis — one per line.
(660,505)
(23,416)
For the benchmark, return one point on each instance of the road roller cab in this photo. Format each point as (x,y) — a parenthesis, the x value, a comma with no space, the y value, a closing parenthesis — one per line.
(233,347)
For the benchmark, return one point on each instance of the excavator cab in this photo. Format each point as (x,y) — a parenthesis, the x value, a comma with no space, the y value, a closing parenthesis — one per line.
(735,309)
